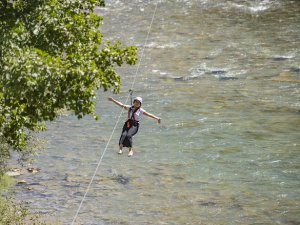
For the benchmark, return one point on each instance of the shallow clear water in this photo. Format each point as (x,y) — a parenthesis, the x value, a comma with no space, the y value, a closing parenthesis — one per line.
(224,76)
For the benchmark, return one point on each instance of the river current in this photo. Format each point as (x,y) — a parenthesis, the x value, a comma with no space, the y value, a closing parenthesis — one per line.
(224,76)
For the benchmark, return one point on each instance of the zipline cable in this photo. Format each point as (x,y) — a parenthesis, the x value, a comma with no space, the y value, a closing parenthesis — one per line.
(101,158)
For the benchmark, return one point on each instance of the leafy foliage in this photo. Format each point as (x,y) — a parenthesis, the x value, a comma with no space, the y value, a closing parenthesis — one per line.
(52,58)
(4,156)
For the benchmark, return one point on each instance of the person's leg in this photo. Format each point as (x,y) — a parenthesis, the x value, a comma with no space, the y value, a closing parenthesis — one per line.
(131,132)
(130,153)
(120,149)
(122,138)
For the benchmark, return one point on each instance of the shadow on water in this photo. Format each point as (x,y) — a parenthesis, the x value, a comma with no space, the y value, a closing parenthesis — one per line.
(121,179)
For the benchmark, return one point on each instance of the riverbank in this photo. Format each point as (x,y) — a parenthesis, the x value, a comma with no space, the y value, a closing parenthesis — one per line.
(13,210)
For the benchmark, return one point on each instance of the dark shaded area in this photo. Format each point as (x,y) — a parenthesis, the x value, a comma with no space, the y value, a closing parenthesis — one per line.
(121,179)
(208,204)
(218,72)
(280,58)
(295,70)
(228,78)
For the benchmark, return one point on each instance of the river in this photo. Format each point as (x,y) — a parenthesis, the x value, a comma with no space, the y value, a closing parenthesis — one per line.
(224,76)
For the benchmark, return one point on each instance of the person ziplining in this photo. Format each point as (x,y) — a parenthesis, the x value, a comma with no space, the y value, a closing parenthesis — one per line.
(131,126)
(126,138)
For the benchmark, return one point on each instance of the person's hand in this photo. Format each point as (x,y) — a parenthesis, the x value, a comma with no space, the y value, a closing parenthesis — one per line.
(110,98)
(159,120)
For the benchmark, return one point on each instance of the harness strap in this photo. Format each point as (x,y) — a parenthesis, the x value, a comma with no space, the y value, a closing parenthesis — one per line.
(132,116)
(133,113)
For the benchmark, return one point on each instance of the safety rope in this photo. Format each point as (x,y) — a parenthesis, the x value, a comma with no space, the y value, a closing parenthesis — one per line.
(101,158)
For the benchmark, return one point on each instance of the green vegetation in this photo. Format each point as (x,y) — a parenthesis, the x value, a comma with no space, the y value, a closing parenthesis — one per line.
(10,212)
(16,214)
(52,57)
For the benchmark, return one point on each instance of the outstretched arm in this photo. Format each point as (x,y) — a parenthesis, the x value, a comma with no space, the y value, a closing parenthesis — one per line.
(117,102)
(152,116)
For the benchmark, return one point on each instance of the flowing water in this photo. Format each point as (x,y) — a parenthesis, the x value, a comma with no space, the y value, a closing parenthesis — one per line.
(224,76)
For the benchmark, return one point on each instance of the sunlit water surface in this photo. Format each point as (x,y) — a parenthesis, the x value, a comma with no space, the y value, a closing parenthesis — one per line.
(224,76)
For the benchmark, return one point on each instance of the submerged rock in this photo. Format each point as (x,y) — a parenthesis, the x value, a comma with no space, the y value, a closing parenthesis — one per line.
(295,70)
(121,179)
(21,171)
(227,78)
(33,170)
(14,172)
(208,204)
(281,58)
(179,78)
(218,72)
(22,182)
